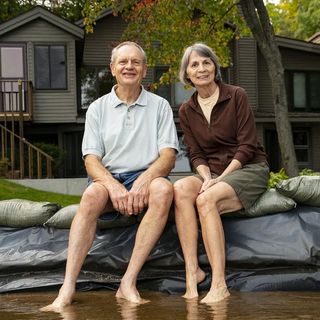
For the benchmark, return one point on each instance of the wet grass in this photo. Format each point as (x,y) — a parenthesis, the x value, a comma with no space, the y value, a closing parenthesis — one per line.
(11,190)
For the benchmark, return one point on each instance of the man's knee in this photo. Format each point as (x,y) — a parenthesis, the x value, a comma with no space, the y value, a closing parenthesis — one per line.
(92,202)
(161,191)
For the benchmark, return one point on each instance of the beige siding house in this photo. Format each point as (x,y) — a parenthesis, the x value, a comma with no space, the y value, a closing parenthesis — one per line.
(60,96)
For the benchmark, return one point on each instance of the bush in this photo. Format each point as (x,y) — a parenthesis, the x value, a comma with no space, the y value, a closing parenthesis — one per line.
(56,153)
(4,167)
(282,175)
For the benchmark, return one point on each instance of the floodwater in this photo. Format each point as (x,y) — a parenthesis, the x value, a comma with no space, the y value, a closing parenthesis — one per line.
(102,305)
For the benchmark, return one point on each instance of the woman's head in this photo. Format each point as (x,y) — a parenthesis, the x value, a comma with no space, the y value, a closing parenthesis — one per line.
(203,51)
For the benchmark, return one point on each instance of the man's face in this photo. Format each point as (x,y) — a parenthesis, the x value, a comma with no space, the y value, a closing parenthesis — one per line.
(128,66)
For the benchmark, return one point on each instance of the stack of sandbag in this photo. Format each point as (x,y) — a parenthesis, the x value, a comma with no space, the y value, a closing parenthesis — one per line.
(20,213)
(303,190)
(62,219)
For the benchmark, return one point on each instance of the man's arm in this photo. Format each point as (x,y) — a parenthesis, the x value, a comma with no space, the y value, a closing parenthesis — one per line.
(99,174)
(139,193)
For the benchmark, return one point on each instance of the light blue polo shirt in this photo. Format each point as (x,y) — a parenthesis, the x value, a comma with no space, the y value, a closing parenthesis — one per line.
(129,138)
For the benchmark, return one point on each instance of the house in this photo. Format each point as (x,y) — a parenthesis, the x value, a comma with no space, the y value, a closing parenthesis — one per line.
(63,69)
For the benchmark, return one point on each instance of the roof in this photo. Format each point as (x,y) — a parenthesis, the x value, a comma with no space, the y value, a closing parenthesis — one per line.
(298,44)
(315,38)
(104,13)
(42,13)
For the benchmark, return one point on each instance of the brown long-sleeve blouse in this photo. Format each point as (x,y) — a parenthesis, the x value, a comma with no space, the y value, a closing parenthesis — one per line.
(231,133)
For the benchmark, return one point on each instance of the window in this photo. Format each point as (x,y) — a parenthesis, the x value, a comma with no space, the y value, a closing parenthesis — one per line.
(12,68)
(50,67)
(303,90)
(175,93)
(301,141)
(95,82)
(302,147)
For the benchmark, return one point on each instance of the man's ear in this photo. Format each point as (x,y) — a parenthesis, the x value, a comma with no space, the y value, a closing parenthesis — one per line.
(145,69)
(112,69)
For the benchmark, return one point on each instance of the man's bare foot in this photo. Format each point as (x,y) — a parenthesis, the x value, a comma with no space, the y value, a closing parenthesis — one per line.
(63,300)
(216,295)
(192,281)
(130,294)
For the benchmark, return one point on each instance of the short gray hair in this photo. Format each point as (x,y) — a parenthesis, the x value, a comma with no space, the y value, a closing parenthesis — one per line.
(204,51)
(128,43)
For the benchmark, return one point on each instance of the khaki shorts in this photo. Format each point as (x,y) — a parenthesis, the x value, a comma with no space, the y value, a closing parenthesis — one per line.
(249,182)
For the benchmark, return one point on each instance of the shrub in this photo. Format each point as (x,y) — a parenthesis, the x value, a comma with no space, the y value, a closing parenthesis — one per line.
(56,153)
(281,175)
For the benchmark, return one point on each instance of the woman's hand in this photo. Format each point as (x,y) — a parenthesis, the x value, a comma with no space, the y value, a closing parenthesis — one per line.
(208,183)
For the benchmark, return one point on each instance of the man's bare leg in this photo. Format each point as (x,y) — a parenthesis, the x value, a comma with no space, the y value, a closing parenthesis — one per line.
(149,231)
(185,193)
(82,234)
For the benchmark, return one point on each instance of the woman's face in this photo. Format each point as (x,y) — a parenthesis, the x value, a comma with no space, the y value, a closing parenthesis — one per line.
(200,70)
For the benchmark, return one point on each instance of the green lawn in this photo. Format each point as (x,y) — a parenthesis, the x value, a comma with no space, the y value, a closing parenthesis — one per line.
(10,190)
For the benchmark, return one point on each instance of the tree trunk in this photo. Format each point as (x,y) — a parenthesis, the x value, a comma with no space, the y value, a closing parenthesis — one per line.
(257,19)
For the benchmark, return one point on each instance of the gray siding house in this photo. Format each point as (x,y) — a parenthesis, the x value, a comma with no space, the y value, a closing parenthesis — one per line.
(64,70)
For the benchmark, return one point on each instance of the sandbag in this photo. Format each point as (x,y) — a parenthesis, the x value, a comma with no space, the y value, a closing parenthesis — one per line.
(20,213)
(271,201)
(302,189)
(63,219)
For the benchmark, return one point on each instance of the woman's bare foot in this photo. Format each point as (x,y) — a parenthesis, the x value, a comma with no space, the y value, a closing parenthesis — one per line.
(130,294)
(64,299)
(216,295)
(192,280)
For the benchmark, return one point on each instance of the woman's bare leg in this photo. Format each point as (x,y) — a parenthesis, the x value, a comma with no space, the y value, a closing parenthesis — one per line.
(185,193)
(219,198)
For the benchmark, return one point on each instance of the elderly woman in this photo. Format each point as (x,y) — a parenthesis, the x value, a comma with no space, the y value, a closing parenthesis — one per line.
(220,134)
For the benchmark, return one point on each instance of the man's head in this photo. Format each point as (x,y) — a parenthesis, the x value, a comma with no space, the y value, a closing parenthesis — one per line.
(128,63)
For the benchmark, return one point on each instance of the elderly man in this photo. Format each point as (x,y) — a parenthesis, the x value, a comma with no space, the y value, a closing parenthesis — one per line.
(129,148)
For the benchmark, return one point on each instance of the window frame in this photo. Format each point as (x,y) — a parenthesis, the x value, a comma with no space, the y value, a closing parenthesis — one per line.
(49,45)
(289,79)
(16,45)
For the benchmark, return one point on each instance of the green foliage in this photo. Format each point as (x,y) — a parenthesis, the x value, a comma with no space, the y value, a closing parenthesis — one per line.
(308,172)
(10,190)
(68,9)
(295,18)
(11,8)
(4,165)
(165,27)
(276,177)
(55,152)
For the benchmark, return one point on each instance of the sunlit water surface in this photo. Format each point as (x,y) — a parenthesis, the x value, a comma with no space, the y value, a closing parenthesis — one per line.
(98,305)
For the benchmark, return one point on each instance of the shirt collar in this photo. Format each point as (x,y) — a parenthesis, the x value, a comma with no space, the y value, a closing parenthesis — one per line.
(141,101)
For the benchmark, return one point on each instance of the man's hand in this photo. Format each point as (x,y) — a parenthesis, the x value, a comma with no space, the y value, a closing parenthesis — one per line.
(117,192)
(139,194)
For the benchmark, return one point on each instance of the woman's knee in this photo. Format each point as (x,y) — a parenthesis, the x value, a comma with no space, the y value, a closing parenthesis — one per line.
(185,190)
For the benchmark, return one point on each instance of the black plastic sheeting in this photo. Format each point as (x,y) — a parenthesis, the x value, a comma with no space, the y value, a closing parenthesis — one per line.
(274,252)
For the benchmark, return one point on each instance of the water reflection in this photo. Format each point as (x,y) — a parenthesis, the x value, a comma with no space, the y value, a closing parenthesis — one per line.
(199,311)
(102,305)
(68,313)
(219,310)
(127,309)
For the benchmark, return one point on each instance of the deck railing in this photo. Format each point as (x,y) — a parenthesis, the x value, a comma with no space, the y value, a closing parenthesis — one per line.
(15,100)
(23,160)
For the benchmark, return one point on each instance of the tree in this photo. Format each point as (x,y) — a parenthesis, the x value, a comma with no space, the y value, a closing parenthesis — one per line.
(68,9)
(165,27)
(11,8)
(295,18)
(258,21)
